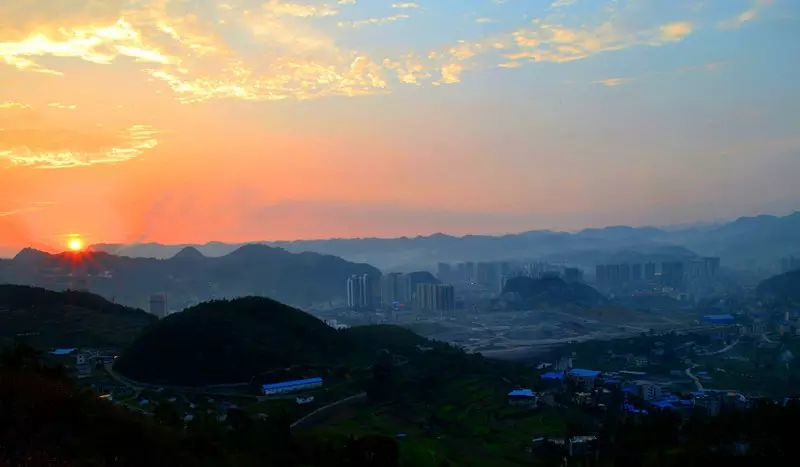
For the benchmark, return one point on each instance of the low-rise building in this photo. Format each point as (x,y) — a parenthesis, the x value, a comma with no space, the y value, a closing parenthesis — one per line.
(583,378)
(285,387)
(523,397)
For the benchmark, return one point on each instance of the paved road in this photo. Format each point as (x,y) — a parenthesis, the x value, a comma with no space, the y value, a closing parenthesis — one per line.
(722,350)
(309,417)
(693,377)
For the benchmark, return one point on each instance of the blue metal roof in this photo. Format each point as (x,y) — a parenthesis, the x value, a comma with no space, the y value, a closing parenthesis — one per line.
(289,384)
(521,393)
(552,375)
(721,318)
(66,351)
(580,372)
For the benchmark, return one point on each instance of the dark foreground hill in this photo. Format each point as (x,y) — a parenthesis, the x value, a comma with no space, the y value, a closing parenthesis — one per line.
(552,292)
(232,341)
(189,277)
(48,319)
(782,288)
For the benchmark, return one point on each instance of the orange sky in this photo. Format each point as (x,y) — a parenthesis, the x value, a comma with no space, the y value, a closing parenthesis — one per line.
(172,121)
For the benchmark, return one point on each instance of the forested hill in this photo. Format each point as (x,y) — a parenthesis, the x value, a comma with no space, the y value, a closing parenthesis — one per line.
(231,341)
(552,291)
(782,288)
(48,319)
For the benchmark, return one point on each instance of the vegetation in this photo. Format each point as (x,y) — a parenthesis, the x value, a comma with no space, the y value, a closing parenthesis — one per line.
(783,288)
(46,319)
(552,291)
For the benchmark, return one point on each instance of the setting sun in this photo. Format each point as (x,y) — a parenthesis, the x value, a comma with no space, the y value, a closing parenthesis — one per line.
(75,244)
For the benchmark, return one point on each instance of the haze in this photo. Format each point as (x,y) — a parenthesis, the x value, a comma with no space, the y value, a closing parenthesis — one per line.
(175,121)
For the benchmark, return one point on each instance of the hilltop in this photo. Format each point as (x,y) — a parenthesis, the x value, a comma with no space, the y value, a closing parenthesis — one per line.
(782,288)
(197,346)
(49,319)
(552,291)
(189,277)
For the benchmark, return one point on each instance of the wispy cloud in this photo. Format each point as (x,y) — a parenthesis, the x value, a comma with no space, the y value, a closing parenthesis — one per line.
(373,21)
(406,6)
(562,3)
(614,82)
(134,142)
(59,105)
(13,106)
(746,16)
(33,207)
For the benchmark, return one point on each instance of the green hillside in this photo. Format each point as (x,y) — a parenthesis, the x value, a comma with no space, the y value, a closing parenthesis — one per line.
(46,319)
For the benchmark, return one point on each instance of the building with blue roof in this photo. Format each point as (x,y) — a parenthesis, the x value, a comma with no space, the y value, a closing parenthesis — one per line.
(285,387)
(725,318)
(523,397)
(63,351)
(582,377)
(552,376)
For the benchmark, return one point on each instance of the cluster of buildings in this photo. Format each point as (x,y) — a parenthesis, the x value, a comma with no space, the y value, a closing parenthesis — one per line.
(674,274)
(492,275)
(790,263)
(395,291)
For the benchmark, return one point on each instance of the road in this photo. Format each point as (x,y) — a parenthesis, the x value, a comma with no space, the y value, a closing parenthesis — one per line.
(693,377)
(309,417)
(722,350)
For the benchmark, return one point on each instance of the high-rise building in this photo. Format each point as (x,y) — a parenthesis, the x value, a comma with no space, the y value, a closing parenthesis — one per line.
(394,290)
(624,274)
(488,275)
(359,292)
(158,305)
(636,272)
(790,263)
(649,271)
(434,298)
(672,274)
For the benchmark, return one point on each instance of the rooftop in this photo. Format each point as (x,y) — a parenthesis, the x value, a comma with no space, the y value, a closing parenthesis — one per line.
(521,393)
(288,384)
(581,372)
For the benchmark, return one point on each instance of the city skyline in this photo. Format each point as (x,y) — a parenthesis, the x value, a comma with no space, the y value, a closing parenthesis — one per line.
(179,122)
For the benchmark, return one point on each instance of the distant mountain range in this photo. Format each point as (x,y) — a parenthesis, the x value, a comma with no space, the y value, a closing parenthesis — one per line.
(749,243)
(189,277)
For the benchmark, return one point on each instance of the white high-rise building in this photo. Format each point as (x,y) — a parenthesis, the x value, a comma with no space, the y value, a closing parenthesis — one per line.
(359,292)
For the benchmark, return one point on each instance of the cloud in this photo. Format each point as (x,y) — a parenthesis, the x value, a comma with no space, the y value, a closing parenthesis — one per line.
(484,20)
(300,10)
(95,44)
(451,73)
(672,32)
(13,106)
(134,142)
(373,21)
(406,6)
(562,3)
(285,49)
(613,82)
(35,206)
(59,105)
(746,16)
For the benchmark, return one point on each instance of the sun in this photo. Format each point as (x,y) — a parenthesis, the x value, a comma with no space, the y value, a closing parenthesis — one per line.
(75,244)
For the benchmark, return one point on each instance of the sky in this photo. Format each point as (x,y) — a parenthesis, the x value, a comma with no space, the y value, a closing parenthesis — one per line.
(189,121)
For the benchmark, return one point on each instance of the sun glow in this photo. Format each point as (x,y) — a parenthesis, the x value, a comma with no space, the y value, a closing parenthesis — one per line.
(75,244)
